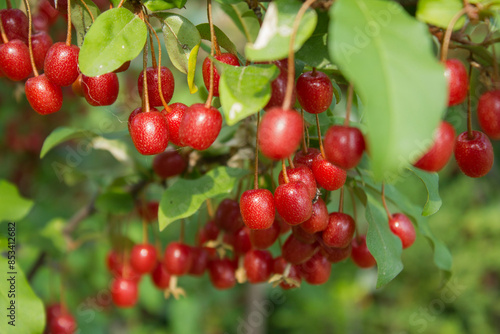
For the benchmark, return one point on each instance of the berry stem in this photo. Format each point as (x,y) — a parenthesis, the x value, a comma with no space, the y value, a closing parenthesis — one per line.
(348,107)
(256,175)
(385,203)
(210,209)
(341,201)
(145,96)
(290,162)
(212,37)
(304,145)
(9,4)
(68,34)
(287,102)
(447,35)
(30,31)
(120,4)
(319,138)
(144,231)
(5,40)
(163,102)
(88,10)
(283,168)
(153,56)
(469,113)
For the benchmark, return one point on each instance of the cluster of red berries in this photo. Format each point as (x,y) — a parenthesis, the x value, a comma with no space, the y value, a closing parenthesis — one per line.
(59,320)
(473,150)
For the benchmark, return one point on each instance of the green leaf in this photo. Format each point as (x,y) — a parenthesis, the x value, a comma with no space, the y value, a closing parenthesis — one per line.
(431,183)
(157,5)
(376,45)
(62,134)
(244,90)
(222,39)
(440,12)
(116,36)
(29,309)
(314,52)
(53,237)
(115,202)
(243,17)
(182,41)
(81,19)
(14,207)
(274,36)
(184,197)
(384,245)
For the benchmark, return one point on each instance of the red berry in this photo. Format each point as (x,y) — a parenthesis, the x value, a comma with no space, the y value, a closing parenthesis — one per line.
(316,270)
(318,220)
(167,85)
(200,261)
(143,258)
(228,217)
(279,265)
(174,118)
(160,276)
(258,265)
(301,173)
(297,252)
(262,239)
(222,274)
(149,132)
(334,255)
(53,311)
(339,231)
(209,231)
(49,11)
(314,91)
(178,258)
(402,226)
(280,133)
(440,152)
(43,96)
(61,64)
(123,68)
(458,81)
(41,43)
(328,176)
(60,5)
(15,24)
(124,292)
(303,236)
(344,146)
(239,240)
(488,113)
(148,211)
(15,60)
(306,158)
(360,254)
(278,87)
(64,323)
(293,202)
(474,155)
(168,164)
(226,58)
(200,126)
(101,90)
(257,208)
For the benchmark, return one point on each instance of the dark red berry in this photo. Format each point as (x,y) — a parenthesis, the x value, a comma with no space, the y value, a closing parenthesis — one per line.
(43,96)
(222,274)
(41,43)
(228,217)
(200,126)
(457,77)
(318,220)
(174,118)
(316,270)
(474,155)
(306,158)
(200,257)
(344,146)
(402,226)
(328,176)
(360,254)
(303,236)
(15,60)
(258,265)
(160,276)
(101,90)
(440,152)
(339,231)
(239,240)
(279,265)
(148,211)
(226,58)
(488,113)
(167,85)
(301,173)
(208,232)
(257,208)
(278,87)
(15,24)
(280,133)
(178,258)
(293,202)
(169,163)
(297,252)
(61,64)
(334,255)
(149,132)
(263,239)
(314,91)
